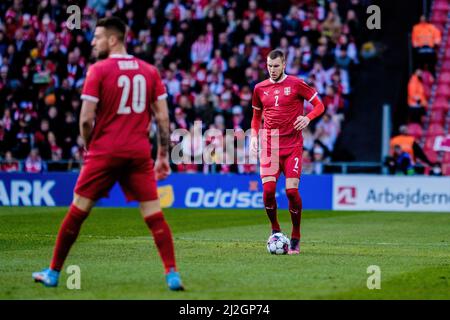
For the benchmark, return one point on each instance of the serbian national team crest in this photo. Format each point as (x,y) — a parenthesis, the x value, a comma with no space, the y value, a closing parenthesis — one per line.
(287,91)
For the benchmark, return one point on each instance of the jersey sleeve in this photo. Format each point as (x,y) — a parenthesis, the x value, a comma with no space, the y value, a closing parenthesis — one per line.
(306,92)
(91,87)
(159,89)
(256,101)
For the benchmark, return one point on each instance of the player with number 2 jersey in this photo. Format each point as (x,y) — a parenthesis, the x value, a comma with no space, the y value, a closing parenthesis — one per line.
(280,100)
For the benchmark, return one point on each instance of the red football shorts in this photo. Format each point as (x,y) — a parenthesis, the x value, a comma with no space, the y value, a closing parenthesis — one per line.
(288,161)
(135,176)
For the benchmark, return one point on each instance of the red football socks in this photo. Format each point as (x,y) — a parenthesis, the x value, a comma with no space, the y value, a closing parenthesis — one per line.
(270,203)
(295,209)
(68,233)
(163,239)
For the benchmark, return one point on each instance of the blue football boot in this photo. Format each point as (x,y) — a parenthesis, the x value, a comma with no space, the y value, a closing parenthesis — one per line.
(47,277)
(174,281)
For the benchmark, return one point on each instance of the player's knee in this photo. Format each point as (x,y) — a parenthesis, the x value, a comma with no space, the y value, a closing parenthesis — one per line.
(269,189)
(149,208)
(292,183)
(265,180)
(82,203)
(292,194)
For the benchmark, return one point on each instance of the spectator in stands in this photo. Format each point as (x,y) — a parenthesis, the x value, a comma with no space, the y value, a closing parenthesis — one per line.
(205,108)
(425,40)
(7,121)
(408,144)
(317,160)
(54,147)
(333,102)
(180,52)
(332,26)
(98,6)
(173,84)
(369,50)
(436,170)
(75,161)
(201,49)
(69,135)
(9,164)
(307,163)
(22,144)
(180,119)
(324,56)
(218,62)
(417,100)
(427,81)
(237,118)
(40,139)
(308,139)
(56,163)
(176,10)
(2,136)
(186,105)
(400,162)
(34,163)
(54,119)
(343,60)
(327,131)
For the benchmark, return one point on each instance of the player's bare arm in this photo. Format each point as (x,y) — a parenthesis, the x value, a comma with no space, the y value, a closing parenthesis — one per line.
(162,167)
(87,117)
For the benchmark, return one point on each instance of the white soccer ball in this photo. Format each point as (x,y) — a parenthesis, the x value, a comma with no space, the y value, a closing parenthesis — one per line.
(278,243)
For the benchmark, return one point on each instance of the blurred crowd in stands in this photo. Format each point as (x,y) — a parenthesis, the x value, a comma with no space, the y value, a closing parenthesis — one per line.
(421,145)
(426,39)
(210,55)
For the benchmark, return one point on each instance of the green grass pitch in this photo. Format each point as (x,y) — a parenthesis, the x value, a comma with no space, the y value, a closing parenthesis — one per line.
(222,255)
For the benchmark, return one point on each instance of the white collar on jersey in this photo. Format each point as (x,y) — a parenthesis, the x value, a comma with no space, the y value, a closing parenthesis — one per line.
(279,81)
(117,55)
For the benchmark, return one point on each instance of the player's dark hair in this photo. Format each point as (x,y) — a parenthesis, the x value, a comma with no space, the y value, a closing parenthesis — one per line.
(114,24)
(277,53)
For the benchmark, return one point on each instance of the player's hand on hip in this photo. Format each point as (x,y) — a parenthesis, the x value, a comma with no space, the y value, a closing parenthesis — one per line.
(301,122)
(162,168)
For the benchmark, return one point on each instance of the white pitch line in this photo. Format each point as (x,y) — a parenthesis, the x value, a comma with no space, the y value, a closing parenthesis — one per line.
(145,238)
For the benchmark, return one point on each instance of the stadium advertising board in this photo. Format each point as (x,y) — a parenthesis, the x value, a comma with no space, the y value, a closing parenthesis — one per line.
(178,191)
(228,191)
(391,193)
(21,189)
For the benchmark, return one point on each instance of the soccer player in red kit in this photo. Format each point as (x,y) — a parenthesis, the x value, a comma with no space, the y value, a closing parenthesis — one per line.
(280,100)
(119,95)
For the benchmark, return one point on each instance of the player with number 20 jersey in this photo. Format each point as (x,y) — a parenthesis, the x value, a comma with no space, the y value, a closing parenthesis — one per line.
(123,87)
(120,94)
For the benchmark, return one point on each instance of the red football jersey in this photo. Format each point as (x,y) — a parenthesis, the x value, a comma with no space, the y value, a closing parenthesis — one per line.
(282,103)
(124,88)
